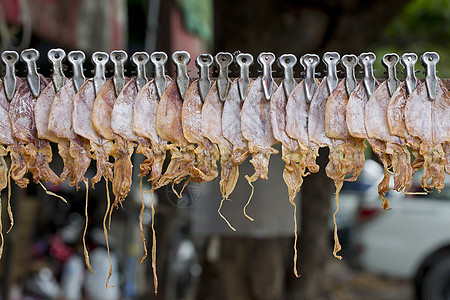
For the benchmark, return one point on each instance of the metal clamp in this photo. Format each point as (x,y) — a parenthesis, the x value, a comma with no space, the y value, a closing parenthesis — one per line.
(159,59)
(331,59)
(140,59)
(390,61)
(429,60)
(287,62)
(30,57)
(203,63)
(118,57)
(367,60)
(350,61)
(266,60)
(309,63)
(99,59)
(408,61)
(223,61)
(77,58)
(10,59)
(244,60)
(56,56)
(181,60)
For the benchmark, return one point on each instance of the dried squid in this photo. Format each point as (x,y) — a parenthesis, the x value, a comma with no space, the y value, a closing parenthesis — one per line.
(211,123)
(446,147)
(207,153)
(346,157)
(319,138)
(297,108)
(169,127)
(427,119)
(60,124)
(34,154)
(355,122)
(121,150)
(295,159)
(6,140)
(82,125)
(231,131)
(122,125)
(391,149)
(144,125)
(396,121)
(257,130)
(395,113)
(42,113)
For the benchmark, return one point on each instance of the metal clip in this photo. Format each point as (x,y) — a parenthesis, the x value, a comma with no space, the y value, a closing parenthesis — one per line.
(77,58)
(56,56)
(349,61)
(309,63)
(223,61)
(99,59)
(244,60)
(408,61)
(159,60)
(287,62)
(331,59)
(181,60)
(367,60)
(429,60)
(204,62)
(390,61)
(10,59)
(266,60)
(140,59)
(30,56)
(118,57)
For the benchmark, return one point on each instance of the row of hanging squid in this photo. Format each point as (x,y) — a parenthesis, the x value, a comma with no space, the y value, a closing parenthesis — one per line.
(203,121)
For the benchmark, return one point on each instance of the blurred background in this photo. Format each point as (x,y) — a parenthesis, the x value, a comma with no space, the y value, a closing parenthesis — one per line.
(403,253)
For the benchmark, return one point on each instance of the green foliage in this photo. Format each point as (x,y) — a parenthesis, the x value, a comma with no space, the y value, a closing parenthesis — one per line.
(423,25)
(424,20)
(198,18)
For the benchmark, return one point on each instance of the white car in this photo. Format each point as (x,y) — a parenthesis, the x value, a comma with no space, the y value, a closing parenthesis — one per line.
(410,241)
